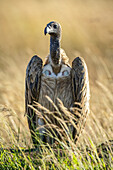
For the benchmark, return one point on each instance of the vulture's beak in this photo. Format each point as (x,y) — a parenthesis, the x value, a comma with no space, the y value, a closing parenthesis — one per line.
(46,30)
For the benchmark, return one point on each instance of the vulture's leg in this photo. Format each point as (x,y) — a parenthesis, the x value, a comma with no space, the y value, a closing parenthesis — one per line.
(81,94)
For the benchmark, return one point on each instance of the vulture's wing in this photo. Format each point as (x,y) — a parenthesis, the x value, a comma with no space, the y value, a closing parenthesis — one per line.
(80,84)
(32,89)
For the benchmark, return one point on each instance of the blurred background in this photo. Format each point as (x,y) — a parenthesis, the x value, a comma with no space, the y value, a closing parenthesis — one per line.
(87,31)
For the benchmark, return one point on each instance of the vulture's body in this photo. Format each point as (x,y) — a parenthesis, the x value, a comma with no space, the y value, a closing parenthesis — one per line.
(56,87)
(57,80)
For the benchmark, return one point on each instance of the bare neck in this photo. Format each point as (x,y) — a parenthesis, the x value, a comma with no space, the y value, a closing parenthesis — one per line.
(55,51)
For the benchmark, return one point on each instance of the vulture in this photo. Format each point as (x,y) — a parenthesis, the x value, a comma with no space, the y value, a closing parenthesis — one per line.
(54,83)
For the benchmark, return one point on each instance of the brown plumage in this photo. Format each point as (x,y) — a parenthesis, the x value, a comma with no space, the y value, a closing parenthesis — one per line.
(58,80)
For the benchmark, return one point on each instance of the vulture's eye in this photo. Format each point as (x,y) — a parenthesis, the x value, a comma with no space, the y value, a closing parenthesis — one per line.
(55,26)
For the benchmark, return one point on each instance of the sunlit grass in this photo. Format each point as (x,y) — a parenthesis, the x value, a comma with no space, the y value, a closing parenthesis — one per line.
(87,30)
(60,155)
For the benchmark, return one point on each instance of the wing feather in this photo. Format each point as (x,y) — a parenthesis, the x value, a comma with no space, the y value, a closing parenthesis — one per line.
(32,90)
(81,93)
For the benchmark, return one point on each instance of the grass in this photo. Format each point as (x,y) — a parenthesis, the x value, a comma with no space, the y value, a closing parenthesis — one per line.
(63,157)
(87,30)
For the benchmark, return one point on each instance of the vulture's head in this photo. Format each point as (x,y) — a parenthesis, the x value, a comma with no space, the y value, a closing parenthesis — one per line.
(54,29)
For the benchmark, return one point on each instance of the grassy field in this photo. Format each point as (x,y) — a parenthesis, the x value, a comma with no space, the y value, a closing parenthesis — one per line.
(87,30)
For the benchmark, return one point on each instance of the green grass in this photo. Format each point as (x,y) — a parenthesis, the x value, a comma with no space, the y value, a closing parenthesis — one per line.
(63,157)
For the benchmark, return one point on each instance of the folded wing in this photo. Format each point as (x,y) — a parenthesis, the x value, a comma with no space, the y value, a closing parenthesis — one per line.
(32,90)
(81,93)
